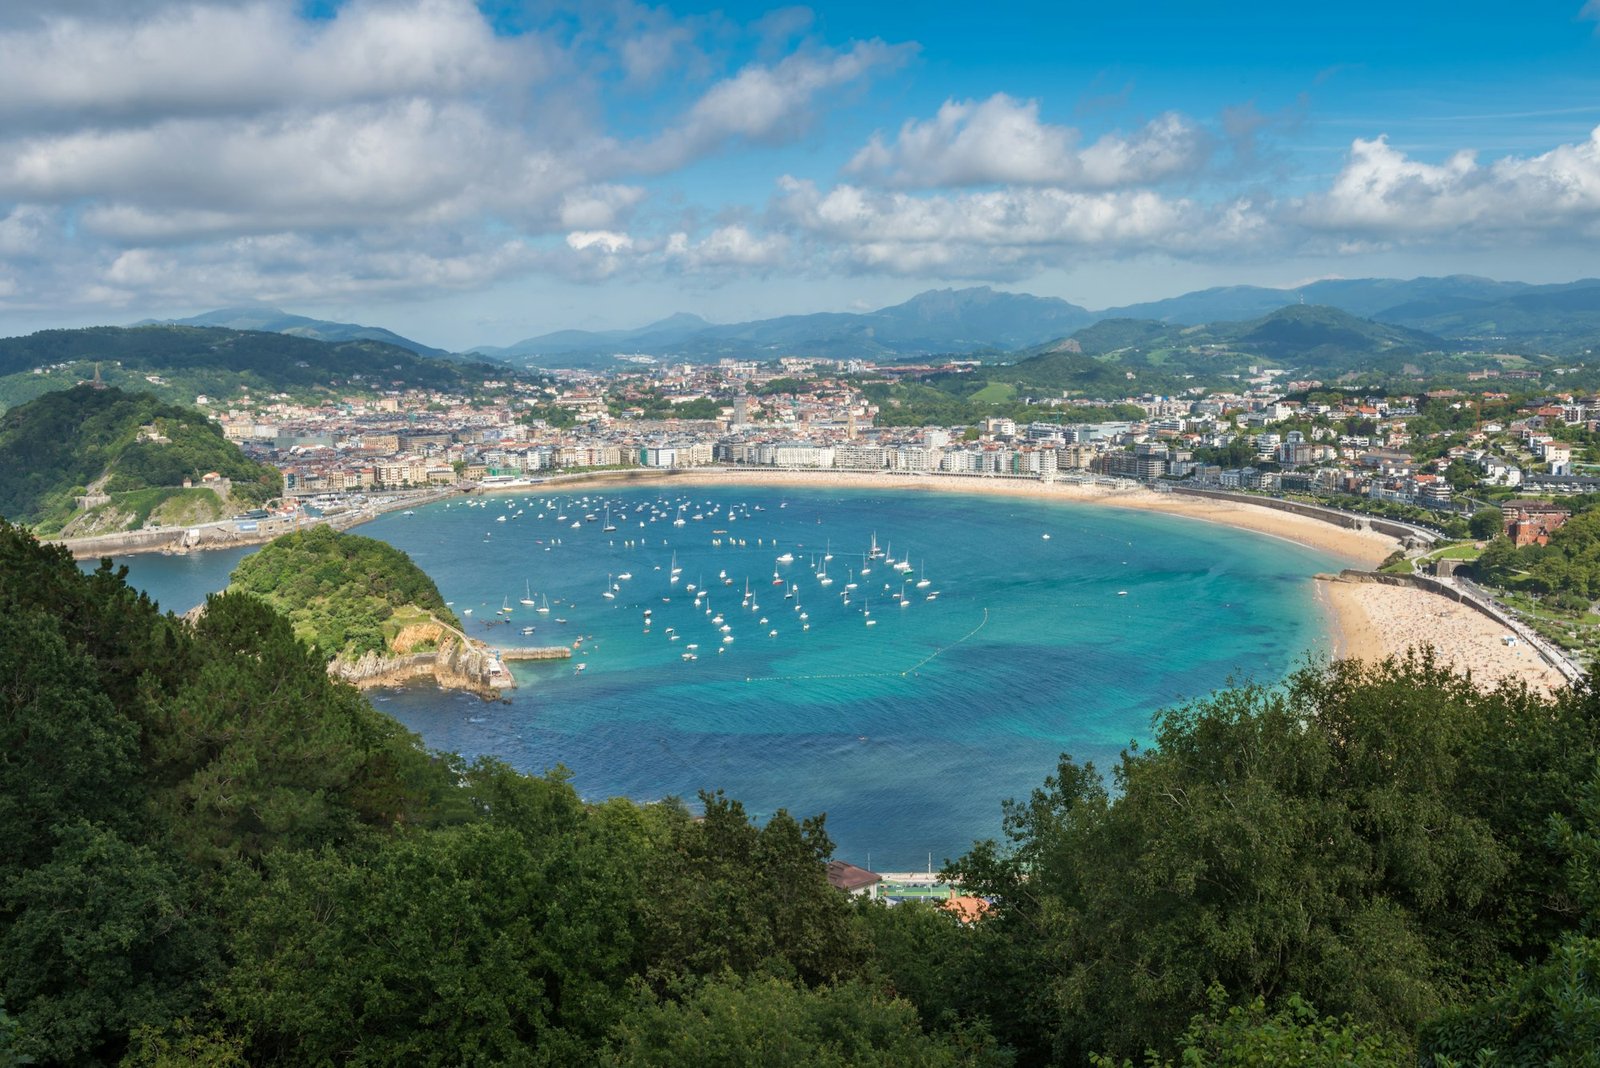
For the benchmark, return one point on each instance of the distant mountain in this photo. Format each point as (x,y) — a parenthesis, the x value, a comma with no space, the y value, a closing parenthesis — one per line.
(1366,297)
(938,321)
(1303,337)
(273,321)
(190,360)
(669,331)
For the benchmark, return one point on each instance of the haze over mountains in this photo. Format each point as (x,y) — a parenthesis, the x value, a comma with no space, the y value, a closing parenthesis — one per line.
(973,320)
(1461,311)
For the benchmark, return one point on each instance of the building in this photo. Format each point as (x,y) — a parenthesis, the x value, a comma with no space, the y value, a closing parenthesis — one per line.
(858,882)
(1532,522)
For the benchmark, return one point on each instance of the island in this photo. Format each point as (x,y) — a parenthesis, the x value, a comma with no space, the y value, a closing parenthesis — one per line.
(378,618)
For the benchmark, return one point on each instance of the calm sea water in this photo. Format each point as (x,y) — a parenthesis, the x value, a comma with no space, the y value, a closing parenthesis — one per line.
(907,732)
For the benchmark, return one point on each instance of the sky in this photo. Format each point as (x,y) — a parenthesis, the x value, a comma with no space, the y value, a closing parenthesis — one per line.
(477,173)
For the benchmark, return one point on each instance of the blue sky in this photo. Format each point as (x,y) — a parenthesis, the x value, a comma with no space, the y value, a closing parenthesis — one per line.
(477,173)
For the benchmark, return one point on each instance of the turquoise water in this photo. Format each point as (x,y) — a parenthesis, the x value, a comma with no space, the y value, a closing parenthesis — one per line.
(908,732)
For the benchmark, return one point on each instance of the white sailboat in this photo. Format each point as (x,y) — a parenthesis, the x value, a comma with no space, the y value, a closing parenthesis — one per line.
(544,605)
(610,593)
(527,593)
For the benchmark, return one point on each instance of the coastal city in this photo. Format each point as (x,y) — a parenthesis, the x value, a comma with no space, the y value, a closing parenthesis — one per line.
(807,414)
(735,535)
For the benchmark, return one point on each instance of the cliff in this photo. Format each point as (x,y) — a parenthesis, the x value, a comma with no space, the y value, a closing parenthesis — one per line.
(456,664)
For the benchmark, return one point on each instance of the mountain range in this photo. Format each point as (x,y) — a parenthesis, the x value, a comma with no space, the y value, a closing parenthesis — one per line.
(1463,312)
(1472,312)
(273,321)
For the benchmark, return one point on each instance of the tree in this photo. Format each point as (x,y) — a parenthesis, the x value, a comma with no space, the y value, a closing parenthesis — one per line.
(1356,837)
(771,1023)
(1486,523)
(1237,1036)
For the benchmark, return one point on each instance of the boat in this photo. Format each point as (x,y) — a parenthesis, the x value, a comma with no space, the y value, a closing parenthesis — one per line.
(544,605)
(527,593)
(609,525)
(923,582)
(505,605)
(410,512)
(610,593)
(786,558)
(466,611)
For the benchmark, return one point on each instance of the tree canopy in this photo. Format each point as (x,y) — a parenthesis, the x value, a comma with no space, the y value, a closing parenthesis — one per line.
(217,854)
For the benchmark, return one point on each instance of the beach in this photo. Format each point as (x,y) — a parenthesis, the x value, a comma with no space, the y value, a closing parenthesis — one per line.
(1365,620)
(1375,621)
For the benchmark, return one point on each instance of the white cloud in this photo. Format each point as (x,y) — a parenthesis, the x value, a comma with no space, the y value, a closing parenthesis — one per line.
(729,246)
(607,241)
(217,58)
(762,103)
(1002,229)
(1382,193)
(1001,140)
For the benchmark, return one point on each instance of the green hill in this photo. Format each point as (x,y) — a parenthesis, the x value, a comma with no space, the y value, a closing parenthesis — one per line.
(189,361)
(130,452)
(346,594)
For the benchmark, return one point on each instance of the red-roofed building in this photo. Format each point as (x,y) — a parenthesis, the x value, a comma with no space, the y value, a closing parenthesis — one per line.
(853,880)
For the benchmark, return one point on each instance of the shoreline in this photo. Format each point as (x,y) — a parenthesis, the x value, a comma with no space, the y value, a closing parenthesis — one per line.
(1366,621)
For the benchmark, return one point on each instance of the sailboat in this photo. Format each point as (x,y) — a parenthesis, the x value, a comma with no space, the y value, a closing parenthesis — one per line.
(610,593)
(608,525)
(505,605)
(923,582)
(544,605)
(527,593)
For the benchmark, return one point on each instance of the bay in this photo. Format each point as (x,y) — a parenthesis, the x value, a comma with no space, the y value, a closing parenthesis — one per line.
(908,732)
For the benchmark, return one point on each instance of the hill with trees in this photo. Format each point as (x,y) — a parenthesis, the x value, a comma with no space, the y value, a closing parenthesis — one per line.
(345,594)
(125,456)
(190,361)
(273,320)
(216,854)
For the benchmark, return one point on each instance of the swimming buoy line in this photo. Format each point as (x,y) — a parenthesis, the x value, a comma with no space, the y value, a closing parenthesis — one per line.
(913,669)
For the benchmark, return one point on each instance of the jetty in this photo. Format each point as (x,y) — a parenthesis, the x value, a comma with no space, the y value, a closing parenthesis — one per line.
(547,652)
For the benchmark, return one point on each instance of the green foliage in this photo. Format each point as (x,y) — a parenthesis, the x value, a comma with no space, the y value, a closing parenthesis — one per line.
(771,1023)
(219,361)
(339,589)
(218,855)
(1486,523)
(1237,1036)
(1357,837)
(63,441)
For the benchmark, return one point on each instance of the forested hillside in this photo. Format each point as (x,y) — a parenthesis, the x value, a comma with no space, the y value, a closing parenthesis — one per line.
(343,593)
(193,360)
(217,855)
(132,448)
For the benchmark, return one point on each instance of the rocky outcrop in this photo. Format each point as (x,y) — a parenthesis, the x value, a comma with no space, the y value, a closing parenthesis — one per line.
(455,665)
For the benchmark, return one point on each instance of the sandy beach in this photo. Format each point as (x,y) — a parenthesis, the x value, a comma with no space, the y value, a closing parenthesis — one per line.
(1365,620)
(1375,621)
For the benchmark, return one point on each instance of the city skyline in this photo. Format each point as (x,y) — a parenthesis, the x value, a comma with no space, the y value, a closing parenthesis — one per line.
(478,173)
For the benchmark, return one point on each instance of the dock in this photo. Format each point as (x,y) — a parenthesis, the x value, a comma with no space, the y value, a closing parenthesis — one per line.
(548,652)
